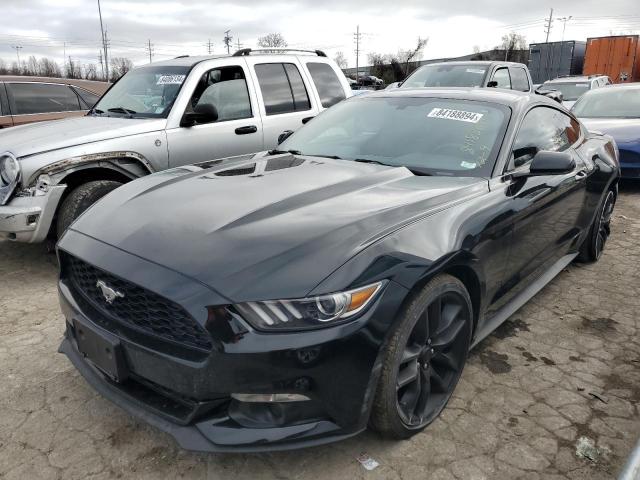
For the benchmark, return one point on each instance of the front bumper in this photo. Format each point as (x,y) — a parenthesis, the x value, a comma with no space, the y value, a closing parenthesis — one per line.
(337,368)
(28,219)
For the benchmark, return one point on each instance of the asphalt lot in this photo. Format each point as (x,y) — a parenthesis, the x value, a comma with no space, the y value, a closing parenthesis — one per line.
(563,369)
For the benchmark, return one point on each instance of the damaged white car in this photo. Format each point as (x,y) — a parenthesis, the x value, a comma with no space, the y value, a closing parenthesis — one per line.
(163,115)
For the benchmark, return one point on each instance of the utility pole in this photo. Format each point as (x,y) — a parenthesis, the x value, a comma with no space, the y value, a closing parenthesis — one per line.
(104,44)
(209,47)
(150,50)
(564,21)
(239,45)
(548,24)
(357,36)
(100,60)
(18,48)
(64,54)
(227,40)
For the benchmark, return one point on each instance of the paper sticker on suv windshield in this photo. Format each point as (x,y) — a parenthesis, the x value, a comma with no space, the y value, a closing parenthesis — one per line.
(475,70)
(459,115)
(170,79)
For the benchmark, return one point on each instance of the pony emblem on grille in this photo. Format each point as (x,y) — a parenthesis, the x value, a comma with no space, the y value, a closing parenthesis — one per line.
(109,293)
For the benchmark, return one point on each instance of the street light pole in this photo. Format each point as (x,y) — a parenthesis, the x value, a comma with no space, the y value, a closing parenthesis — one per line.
(564,21)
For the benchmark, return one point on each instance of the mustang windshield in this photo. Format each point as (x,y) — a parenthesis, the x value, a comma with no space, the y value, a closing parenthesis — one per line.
(570,91)
(143,92)
(609,102)
(434,136)
(446,76)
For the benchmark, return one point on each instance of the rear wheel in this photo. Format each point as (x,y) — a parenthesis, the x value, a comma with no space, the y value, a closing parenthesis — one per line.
(80,199)
(594,244)
(424,359)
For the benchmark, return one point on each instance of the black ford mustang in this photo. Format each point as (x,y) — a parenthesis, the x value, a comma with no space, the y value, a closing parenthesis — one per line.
(293,297)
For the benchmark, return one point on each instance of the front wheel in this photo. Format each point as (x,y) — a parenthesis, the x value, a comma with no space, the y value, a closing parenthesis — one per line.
(593,245)
(80,199)
(424,358)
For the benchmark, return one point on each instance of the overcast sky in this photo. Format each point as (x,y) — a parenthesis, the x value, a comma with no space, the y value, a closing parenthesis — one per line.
(41,27)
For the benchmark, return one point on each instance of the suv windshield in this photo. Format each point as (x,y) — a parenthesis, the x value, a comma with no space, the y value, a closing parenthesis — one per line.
(147,92)
(609,102)
(434,136)
(570,91)
(446,76)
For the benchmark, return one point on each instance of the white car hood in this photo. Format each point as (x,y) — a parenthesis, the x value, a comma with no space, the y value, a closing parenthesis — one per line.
(41,137)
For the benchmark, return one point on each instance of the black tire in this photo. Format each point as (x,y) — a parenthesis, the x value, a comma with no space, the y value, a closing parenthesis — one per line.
(80,199)
(445,350)
(593,246)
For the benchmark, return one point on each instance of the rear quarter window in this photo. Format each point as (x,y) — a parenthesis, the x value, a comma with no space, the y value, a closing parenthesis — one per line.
(327,83)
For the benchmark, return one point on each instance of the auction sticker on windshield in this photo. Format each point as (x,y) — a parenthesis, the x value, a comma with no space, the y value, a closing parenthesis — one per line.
(459,115)
(170,79)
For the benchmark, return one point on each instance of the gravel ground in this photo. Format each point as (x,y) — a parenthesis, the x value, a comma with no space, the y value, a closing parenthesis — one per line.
(552,394)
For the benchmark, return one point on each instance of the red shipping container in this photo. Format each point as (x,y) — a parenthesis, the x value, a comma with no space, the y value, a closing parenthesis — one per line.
(617,57)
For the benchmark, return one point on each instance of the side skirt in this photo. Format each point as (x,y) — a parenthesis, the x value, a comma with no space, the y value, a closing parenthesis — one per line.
(523,297)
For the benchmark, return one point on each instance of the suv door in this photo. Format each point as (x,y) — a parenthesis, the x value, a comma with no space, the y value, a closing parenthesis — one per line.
(35,102)
(285,96)
(547,208)
(5,114)
(238,128)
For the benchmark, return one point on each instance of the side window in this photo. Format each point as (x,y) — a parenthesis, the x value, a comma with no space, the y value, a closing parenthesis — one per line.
(501,76)
(226,89)
(89,99)
(327,83)
(30,98)
(543,128)
(283,90)
(519,79)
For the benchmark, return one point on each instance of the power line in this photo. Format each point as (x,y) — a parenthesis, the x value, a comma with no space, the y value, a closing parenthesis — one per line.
(209,47)
(227,40)
(18,48)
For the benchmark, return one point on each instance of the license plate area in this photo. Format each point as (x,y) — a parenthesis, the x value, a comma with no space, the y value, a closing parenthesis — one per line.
(102,349)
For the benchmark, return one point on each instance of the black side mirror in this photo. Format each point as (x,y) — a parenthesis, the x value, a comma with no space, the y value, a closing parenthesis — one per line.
(492,84)
(549,163)
(203,113)
(284,135)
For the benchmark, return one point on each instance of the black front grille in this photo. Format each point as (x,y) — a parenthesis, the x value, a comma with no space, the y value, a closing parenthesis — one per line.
(147,315)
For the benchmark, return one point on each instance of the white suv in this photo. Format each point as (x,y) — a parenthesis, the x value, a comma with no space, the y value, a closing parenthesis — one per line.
(159,116)
(572,87)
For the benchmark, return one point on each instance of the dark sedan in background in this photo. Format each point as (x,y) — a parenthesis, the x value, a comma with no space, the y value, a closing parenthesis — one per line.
(615,110)
(293,297)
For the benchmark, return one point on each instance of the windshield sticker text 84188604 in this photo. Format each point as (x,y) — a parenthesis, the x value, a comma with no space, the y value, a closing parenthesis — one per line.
(459,115)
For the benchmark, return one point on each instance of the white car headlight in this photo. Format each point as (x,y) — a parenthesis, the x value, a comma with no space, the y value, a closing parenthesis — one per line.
(312,312)
(9,169)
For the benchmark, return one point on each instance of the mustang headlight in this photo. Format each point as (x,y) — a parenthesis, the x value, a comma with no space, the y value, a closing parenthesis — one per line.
(312,312)
(9,169)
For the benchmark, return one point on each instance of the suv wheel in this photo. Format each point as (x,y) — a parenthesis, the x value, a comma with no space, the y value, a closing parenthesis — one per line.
(80,199)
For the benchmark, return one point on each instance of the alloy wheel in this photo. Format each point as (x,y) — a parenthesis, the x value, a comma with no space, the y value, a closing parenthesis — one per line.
(432,359)
(604,224)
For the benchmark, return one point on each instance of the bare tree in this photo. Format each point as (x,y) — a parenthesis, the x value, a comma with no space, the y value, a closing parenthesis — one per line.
(412,55)
(72,69)
(341,60)
(511,42)
(272,40)
(49,68)
(90,71)
(15,69)
(119,66)
(3,67)
(32,67)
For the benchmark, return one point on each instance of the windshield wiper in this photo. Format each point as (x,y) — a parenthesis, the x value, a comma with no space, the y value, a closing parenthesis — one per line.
(275,151)
(122,110)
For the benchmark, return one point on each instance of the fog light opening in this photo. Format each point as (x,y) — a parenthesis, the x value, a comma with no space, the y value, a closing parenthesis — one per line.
(32,219)
(269,397)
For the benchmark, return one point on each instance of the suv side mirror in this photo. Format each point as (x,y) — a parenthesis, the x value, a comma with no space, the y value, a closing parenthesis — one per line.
(202,113)
(549,163)
(284,135)
(492,84)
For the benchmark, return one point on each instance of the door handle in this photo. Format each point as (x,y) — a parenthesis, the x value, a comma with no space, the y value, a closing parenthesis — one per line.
(580,174)
(246,130)
(306,119)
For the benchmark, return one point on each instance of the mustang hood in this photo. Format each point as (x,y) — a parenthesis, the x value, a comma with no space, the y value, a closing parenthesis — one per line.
(624,130)
(266,227)
(41,137)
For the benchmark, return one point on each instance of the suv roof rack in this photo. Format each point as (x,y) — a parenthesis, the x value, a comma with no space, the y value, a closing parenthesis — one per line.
(248,51)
